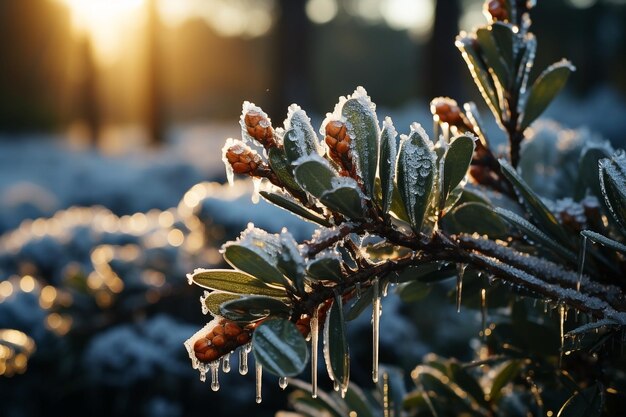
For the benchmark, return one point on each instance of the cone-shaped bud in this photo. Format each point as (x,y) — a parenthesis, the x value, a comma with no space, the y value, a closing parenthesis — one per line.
(259,127)
(221,339)
(242,159)
(338,142)
(496,10)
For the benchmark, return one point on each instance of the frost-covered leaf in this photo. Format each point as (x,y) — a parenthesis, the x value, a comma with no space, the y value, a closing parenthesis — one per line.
(479,72)
(248,260)
(232,281)
(545,89)
(526,49)
(282,168)
(300,138)
(397,206)
(416,174)
(413,291)
(605,241)
(213,300)
(505,374)
(475,217)
(503,36)
(279,346)
(493,57)
(456,163)
(287,202)
(346,198)
(327,266)
(535,235)
(253,308)
(315,175)
(613,186)
(588,178)
(290,260)
(387,163)
(362,124)
(585,403)
(533,204)
(471,111)
(336,353)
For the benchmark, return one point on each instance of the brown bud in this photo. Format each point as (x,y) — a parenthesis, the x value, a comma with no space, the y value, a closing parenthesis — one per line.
(218,341)
(201,345)
(260,128)
(231,330)
(242,159)
(497,10)
(243,338)
(338,142)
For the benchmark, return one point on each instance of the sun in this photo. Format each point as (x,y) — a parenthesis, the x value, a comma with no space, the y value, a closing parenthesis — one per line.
(106,22)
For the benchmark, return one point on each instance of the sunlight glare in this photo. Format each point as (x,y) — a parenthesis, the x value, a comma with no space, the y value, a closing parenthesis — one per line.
(416,16)
(107,23)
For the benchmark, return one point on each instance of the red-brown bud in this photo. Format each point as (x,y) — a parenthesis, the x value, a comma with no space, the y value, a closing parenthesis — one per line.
(242,159)
(260,128)
(496,10)
(338,142)
(224,337)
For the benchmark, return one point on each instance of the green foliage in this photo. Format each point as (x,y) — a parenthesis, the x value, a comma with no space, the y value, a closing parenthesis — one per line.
(402,212)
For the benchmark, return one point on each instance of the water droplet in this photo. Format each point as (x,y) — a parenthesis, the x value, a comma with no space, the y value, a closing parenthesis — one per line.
(283,382)
(375,327)
(226,363)
(243,361)
(215,373)
(459,285)
(386,403)
(483,312)
(259,379)
(581,261)
(314,342)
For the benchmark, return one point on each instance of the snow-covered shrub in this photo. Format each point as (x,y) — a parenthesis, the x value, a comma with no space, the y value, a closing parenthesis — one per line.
(409,212)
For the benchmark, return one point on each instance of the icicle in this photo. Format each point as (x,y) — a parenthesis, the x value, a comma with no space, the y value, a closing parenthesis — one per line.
(385,288)
(375,327)
(336,386)
(215,373)
(282,382)
(459,285)
(386,403)
(259,379)
(357,286)
(562,328)
(243,361)
(314,341)
(483,312)
(226,363)
(581,261)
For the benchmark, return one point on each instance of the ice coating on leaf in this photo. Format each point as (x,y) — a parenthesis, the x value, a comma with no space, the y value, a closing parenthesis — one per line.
(614,190)
(339,182)
(416,173)
(387,168)
(245,109)
(203,368)
(300,138)
(194,273)
(230,175)
(290,252)
(265,244)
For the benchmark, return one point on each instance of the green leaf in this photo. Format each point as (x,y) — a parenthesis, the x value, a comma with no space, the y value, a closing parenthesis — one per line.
(544,90)
(605,241)
(363,129)
(469,384)
(281,167)
(545,219)
(360,304)
(397,206)
(288,203)
(336,353)
(315,175)
(416,175)
(613,186)
(456,163)
(290,261)
(413,291)
(253,308)
(215,299)
(247,259)
(235,282)
(585,403)
(526,49)
(475,217)
(471,111)
(357,401)
(535,235)
(279,346)
(387,163)
(480,74)
(588,178)
(503,36)
(493,57)
(506,373)
(300,138)
(325,268)
(322,402)
(346,200)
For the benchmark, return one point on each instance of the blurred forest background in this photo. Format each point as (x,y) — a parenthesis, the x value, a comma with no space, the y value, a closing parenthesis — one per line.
(112,114)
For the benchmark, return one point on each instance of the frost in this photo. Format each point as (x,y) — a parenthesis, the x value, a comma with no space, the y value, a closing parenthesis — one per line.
(298,130)
(290,252)
(264,244)
(230,175)
(205,309)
